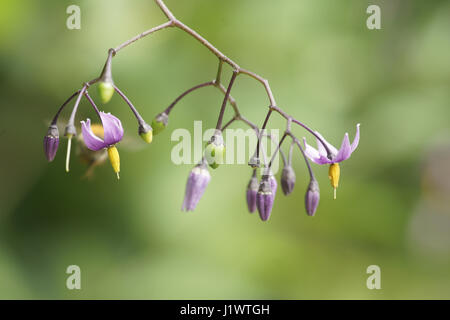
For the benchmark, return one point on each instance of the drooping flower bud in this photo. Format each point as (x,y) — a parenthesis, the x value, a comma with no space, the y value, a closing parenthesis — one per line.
(197,182)
(106,85)
(287,180)
(264,199)
(312,197)
(252,190)
(51,142)
(333,173)
(215,150)
(160,123)
(146,132)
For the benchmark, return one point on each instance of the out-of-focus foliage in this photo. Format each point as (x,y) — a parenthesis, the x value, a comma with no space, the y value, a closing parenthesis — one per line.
(130,238)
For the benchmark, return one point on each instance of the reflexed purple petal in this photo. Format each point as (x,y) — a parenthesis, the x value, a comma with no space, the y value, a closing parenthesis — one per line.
(333,150)
(112,127)
(356,140)
(310,151)
(322,160)
(345,151)
(90,139)
(321,149)
(314,155)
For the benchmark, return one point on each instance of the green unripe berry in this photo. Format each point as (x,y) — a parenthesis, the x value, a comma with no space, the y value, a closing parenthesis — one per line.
(106,91)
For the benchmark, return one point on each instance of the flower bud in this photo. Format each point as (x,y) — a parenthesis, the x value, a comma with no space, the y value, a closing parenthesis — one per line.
(106,91)
(146,132)
(264,199)
(51,142)
(334,173)
(287,180)
(252,190)
(215,150)
(160,123)
(312,197)
(198,180)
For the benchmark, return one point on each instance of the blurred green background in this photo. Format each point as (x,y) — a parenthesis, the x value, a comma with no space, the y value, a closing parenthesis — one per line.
(325,67)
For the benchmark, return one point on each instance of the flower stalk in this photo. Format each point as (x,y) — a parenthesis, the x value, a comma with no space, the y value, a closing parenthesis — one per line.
(260,195)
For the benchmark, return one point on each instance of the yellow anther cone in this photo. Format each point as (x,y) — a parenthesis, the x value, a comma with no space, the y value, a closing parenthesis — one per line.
(334,173)
(115,159)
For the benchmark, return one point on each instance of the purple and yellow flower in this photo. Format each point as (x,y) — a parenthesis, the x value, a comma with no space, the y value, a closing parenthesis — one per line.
(321,156)
(113,133)
(197,182)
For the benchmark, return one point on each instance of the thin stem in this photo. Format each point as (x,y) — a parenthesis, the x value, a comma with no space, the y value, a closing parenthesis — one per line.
(249,123)
(219,71)
(75,107)
(88,97)
(139,119)
(291,150)
(225,100)
(230,97)
(55,118)
(165,10)
(264,82)
(311,173)
(266,120)
(278,148)
(228,123)
(181,96)
(289,118)
(142,35)
(206,43)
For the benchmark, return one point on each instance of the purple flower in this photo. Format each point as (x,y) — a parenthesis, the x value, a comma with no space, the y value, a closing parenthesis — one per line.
(51,142)
(113,132)
(197,182)
(320,155)
(264,199)
(252,190)
(312,197)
